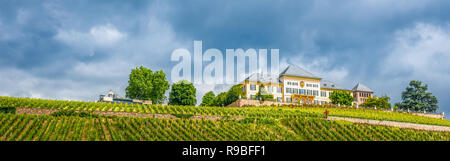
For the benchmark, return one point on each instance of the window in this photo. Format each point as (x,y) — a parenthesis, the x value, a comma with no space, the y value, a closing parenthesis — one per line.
(332,85)
(252,97)
(243,89)
(325,85)
(279,89)
(252,87)
(288,90)
(316,93)
(295,90)
(323,93)
(302,91)
(269,89)
(329,93)
(278,99)
(316,102)
(288,99)
(308,92)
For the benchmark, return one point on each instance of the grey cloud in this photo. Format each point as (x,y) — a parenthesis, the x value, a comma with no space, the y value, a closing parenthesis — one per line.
(342,41)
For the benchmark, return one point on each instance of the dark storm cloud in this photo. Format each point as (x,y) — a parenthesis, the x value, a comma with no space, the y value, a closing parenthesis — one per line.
(86,47)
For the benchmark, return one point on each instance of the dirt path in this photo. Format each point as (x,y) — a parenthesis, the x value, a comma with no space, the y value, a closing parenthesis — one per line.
(394,124)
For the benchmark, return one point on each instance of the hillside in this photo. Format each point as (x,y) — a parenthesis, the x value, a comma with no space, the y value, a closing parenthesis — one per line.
(73,120)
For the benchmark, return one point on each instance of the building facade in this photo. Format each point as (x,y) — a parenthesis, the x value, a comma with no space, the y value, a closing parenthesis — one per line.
(361,93)
(295,84)
(115,98)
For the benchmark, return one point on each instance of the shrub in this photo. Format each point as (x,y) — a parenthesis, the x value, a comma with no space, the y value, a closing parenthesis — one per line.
(74,113)
(183,116)
(8,110)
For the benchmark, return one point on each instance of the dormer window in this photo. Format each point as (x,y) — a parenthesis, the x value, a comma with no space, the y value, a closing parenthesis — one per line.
(324,84)
(332,85)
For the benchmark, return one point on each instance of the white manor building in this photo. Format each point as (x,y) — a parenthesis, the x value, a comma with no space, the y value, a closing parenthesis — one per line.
(295,84)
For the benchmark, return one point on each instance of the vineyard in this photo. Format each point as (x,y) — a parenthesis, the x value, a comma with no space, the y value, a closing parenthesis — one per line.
(269,112)
(322,130)
(51,128)
(76,121)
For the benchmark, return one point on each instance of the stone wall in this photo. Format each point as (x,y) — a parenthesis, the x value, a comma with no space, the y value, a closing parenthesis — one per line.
(36,111)
(439,116)
(247,102)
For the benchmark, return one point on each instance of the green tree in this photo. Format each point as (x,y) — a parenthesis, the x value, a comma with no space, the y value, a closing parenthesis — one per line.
(220,99)
(416,98)
(382,102)
(143,84)
(263,95)
(341,97)
(208,99)
(182,93)
(233,94)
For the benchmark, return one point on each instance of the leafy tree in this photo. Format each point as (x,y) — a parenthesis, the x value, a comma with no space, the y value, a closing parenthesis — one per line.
(233,94)
(220,99)
(341,97)
(160,86)
(208,99)
(416,98)
(382,102)
(182,93)
(143,84)
(263,95)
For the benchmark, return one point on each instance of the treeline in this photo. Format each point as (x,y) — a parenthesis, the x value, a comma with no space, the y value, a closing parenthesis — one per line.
(224,98)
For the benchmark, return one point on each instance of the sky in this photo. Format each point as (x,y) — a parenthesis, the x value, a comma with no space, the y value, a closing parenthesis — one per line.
(79,49)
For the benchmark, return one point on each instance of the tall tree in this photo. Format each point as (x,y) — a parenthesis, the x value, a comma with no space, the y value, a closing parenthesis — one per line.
(341,97)
(263,95)
(416,98)
(220,99)
(233,94)
(160,86)
(143,84)
(208,99)
(182,93)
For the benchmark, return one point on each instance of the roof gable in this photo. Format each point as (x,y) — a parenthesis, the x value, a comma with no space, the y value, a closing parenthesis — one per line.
(293,70)
(263,78)
(362,88)
(330,85)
